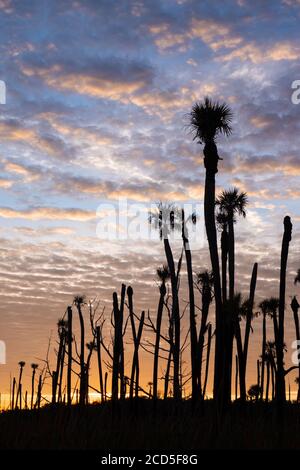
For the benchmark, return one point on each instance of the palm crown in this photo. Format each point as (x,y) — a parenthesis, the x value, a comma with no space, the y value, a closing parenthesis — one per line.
(232,202)
(208,119)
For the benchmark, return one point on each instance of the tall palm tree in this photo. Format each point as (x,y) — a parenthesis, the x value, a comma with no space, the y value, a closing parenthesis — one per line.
(34,368)
(193,327)
(163,275)
(208,119)
(295,307)
(269,308)
(19,392)
(280,379)
(79,301)
(166,219)
(222,224)
(205,285)
(69,367)
(232,203)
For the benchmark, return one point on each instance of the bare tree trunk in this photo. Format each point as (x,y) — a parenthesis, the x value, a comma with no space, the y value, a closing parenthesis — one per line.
(32,388)
(98,338)
(295,307)
(209,335)
(193,328)
(280,379)
(210,224)
(118,364)
(13,394)
(82,387)
(69,371)
(176,318)
(160,307)
(268,382)
(204,316)
(263,355)
(236,376)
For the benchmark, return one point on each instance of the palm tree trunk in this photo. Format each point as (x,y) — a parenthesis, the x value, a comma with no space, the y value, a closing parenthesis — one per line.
(193,328)
(210,225)
(236,376)
(204,315)
(98,339)
(160,307)
(268,382)
(13,393)
(176,319)
(32,388)
(280,382)
(224,250)
(82,363)
(209,335)
(295,307)
(258,376)
(263,355)
(118,353)
(249,318)
(69,370)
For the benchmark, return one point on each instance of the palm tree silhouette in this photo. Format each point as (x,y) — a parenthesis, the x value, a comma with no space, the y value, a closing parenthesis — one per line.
(231,203)
(205,282)
(193,328)
(207,121)
(34,367)
(222,225)
(280,379)
(79,301)
(19,392)
(166,219)
(163,275)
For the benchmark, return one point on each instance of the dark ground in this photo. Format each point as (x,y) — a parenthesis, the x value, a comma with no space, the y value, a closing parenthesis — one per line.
(138,426)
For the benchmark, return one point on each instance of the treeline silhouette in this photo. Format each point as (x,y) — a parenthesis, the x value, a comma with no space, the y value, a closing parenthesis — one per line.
(70,378)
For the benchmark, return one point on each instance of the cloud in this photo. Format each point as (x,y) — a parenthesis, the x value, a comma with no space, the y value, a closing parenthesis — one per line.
(48,213)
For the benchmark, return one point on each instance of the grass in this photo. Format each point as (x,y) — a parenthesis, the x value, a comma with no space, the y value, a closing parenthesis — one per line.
(139,426)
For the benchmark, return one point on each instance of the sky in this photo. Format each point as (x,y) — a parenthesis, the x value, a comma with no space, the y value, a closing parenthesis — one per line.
(98,97)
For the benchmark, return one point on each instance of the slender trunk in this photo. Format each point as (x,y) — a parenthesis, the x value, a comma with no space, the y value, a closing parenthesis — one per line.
(295,307)
(13,394)
(193,328)
(167,375)
(229,320)
(118,353)
(69,371)
(263,355)
(32,388)
(280,379)
(19,385)
(139,336)
(210,224)
(175,319)
(105,385)
(248,320)
(236,376)
(82,363)
(160,307)
(268,382)
(62,362)
(98,338)
(224,249)
(209,335)
(258,377)
(243,392)
(204,315)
